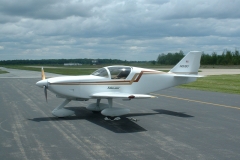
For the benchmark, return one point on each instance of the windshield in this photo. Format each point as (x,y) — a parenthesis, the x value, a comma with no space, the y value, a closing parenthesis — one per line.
(119,72)
(102,72)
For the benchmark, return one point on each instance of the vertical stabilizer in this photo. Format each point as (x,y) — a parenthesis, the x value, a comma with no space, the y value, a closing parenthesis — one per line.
(189,64)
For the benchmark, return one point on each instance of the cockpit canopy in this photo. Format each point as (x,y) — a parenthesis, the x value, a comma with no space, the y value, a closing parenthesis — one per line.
(114,72)
(102,72)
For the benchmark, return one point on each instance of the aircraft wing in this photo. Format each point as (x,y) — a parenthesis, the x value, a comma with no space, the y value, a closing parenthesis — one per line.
(121,95)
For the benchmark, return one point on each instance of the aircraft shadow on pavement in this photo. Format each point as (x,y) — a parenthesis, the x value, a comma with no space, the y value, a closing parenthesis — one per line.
(125,125)
(172,113)
(161,111)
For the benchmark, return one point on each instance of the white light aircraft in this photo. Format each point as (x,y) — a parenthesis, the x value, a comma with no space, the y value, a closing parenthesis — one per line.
(123,82)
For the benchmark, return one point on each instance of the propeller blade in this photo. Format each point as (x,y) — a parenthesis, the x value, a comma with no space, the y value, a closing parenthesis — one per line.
(45,92)
(43,74)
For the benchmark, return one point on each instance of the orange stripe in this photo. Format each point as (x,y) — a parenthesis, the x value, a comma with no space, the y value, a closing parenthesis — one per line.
(135,78)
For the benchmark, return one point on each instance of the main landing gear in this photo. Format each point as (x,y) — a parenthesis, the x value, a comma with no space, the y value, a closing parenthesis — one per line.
(105,109)
(112,118)
(108,110)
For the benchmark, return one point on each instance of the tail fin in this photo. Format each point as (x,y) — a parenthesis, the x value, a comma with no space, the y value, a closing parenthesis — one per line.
(189,64)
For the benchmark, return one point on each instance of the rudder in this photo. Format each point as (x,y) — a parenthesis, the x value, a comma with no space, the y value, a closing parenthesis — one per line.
(189,64)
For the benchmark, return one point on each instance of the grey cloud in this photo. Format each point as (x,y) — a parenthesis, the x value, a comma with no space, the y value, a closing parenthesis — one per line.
(47,9)
(133,29)
(8,19)
(219,9)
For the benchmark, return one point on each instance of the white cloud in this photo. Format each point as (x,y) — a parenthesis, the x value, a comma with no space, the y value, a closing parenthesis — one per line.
(132,30)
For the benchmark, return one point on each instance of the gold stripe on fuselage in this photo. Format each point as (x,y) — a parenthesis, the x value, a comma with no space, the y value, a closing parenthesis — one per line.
(135,78)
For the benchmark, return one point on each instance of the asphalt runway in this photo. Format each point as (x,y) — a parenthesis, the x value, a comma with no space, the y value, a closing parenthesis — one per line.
(179,124)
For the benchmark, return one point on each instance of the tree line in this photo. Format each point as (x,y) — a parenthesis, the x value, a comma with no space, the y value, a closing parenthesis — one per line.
(63,61)
(226,58)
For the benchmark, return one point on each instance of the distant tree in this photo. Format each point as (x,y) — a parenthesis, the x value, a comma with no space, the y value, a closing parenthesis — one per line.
(161,58)
(236,58)
(229,58)
(226,58)
(153,62)
(206,59)
(214,58)
(170,58)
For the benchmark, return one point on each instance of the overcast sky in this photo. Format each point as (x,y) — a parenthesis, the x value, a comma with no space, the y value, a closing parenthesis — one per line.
(116,29)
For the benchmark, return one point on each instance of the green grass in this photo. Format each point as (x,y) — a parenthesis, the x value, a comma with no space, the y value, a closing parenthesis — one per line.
(66,71)
(2,72)
(216,83)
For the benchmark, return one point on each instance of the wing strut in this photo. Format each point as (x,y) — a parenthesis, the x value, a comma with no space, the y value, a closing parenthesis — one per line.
(110,102)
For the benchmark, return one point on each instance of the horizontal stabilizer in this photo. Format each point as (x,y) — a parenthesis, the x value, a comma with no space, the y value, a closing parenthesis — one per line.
(121,95)
(188,75)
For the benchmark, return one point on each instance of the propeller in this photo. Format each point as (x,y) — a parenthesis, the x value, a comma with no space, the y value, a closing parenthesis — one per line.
(45,86)
(45,92)
(43,74)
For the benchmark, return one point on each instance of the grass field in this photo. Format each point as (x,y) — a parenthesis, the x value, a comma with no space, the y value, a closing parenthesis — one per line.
(216,83)
(2,72)
(219,83)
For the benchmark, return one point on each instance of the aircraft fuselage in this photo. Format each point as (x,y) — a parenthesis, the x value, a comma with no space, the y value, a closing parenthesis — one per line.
(139,81)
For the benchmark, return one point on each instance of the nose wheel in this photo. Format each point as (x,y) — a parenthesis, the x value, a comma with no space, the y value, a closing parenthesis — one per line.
(60,111)
(108,118)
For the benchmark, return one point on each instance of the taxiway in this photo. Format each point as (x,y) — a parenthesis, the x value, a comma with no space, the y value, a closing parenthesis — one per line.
(179,124)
